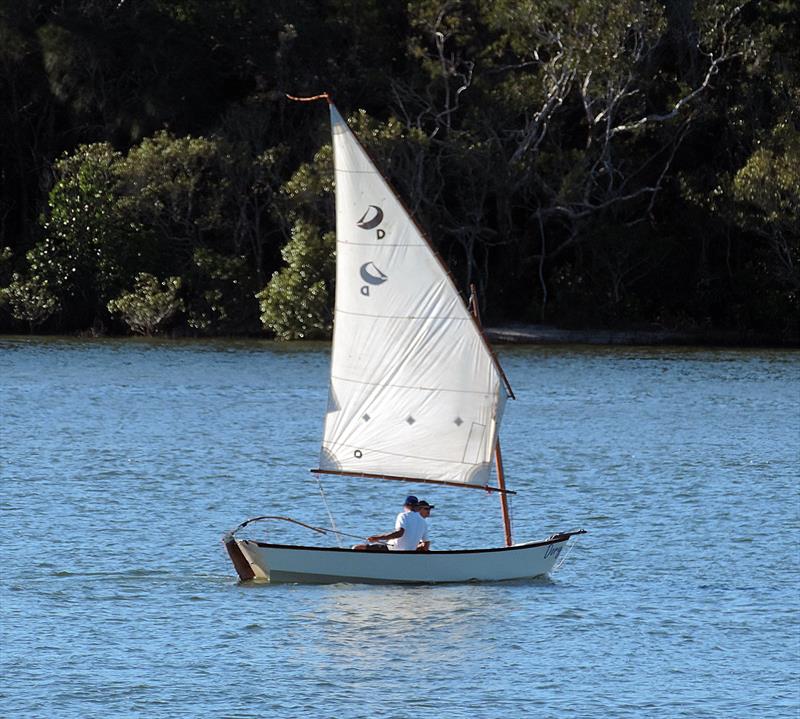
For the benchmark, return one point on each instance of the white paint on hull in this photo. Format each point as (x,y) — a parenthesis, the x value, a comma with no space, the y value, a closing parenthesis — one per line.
(286,563)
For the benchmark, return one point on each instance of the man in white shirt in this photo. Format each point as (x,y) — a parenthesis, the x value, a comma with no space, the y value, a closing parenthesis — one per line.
(410,529)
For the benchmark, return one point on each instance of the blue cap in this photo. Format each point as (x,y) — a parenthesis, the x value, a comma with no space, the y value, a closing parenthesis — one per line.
(411,501)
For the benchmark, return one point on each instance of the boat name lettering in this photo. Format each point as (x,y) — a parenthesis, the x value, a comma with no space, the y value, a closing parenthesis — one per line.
(552,551)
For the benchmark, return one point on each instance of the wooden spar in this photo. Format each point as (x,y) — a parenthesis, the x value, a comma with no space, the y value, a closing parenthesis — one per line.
(476,316)
(501,481)
(498,456)
(323,96)
(484,487)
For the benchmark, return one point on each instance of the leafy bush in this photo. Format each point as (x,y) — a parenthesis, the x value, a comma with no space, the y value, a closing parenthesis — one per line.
(150,305)
(31,299)
(296,302)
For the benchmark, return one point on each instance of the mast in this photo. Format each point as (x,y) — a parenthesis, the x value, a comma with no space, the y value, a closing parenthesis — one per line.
(501,482)
(498,456)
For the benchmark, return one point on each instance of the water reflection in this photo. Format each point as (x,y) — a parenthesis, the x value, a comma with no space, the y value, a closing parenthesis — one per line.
(362,623)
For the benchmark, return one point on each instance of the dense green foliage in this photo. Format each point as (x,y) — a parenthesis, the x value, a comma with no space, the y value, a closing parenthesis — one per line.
(583,163)
(149,305)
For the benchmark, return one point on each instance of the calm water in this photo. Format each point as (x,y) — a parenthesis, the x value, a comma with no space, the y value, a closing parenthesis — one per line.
(123,462)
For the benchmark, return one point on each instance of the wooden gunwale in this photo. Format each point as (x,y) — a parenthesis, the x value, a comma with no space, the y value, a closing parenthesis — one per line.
(528,545)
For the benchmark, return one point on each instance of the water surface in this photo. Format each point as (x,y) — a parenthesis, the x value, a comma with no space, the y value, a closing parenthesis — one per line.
(122,463)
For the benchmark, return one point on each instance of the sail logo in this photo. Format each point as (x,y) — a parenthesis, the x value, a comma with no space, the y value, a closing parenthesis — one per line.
(372,276)
(371,219)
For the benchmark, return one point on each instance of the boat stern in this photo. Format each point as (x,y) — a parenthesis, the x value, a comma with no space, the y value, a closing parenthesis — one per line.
(241,563)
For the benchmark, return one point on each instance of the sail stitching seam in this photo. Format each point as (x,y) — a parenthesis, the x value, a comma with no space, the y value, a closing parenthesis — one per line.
(402,317)
(411,386)
(382,244)
(404,454)
(359,172)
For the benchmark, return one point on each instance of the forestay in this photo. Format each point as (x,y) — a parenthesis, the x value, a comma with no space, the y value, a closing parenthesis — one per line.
(415,391)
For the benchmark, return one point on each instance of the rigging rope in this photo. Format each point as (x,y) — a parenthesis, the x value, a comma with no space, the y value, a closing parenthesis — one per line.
(330,514)
(572,542)
(320,530)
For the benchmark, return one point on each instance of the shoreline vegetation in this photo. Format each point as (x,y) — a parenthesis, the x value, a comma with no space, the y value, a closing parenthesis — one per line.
(584,167)
(513,333)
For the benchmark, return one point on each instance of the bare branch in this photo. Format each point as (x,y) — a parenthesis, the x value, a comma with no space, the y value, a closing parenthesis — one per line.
(712,70)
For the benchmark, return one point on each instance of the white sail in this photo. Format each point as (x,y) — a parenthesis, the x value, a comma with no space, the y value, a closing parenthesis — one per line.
(415,391)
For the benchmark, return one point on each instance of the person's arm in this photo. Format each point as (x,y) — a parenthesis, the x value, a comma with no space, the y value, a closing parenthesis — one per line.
(386,537)
(424,543)
(399,530)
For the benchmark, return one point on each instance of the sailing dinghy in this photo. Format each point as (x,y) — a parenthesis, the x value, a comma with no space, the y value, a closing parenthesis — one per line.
(416,393)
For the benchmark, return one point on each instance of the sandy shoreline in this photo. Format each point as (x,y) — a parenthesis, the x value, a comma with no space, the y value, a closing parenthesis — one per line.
(543,334)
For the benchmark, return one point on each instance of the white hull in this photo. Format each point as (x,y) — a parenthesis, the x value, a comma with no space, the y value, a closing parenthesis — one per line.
(287,563)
